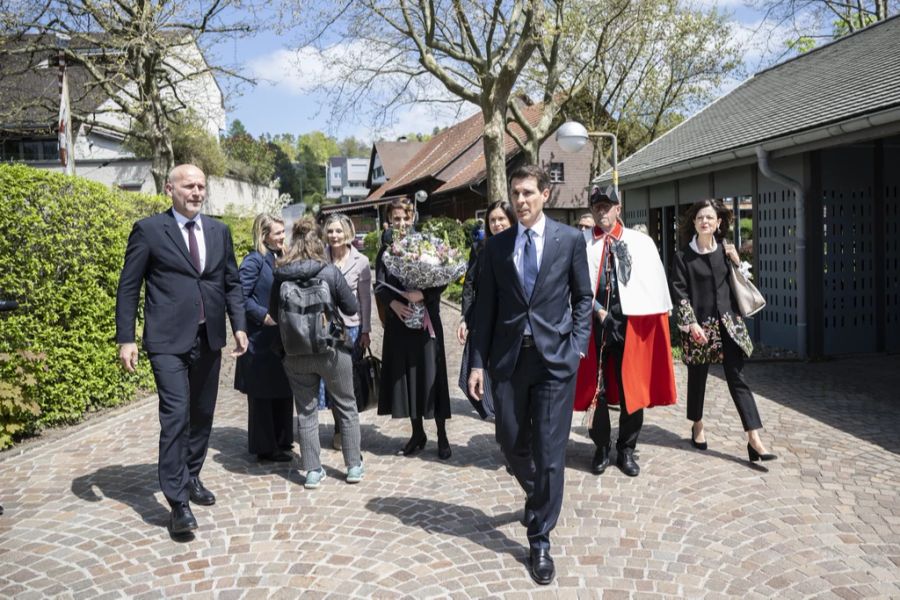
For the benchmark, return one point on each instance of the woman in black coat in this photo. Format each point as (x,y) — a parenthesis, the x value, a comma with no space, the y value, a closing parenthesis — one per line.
(258,373)
(500,215)
(414,367)
(712,329)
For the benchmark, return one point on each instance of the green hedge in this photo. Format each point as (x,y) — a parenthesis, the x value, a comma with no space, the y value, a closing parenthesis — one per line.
(62,242)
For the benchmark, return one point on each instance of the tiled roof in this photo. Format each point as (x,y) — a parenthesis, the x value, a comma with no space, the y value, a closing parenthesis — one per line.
(850,77)
(29,96)
(454,157)
(394,155)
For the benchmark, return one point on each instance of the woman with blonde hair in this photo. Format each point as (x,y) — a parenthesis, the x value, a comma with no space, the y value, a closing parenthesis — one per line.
(354,266)
(258,373)
(304,265)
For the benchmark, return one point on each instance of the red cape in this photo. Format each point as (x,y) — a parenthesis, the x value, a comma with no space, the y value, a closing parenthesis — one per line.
(648,374)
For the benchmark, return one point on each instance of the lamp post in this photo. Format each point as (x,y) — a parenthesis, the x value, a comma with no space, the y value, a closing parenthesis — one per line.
(572,136)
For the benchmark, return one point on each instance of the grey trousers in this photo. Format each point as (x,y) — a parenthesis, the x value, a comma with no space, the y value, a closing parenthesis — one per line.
(304,373)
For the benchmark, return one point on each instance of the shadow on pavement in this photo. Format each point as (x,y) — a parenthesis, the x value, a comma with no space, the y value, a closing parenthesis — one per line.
(231,446)
(466,522)
(480,450)
(854,395)
(134,485)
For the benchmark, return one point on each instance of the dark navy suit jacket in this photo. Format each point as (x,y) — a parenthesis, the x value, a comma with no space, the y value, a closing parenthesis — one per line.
(559,308)
(156,254)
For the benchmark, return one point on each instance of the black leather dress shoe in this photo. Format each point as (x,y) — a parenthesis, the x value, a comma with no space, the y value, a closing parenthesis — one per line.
(625,461)
(541,568)
(182,520)
(600,460)
(199,494)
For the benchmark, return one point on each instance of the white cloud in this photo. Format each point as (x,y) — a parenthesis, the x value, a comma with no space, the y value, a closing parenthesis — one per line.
(311,77)
(300,71)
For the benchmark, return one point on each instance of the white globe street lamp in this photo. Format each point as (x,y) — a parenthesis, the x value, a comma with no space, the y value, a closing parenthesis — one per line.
(572,136)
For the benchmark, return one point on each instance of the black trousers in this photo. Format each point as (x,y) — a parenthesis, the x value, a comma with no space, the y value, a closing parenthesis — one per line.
(533,418)
(733,363)
(270,424)
(629,424)
(187,385)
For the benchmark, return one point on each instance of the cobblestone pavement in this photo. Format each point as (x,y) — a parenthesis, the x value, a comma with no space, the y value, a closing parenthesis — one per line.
(84,517)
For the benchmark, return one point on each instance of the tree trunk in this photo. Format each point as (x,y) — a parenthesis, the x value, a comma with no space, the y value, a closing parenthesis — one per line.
(494,153)
(163,162)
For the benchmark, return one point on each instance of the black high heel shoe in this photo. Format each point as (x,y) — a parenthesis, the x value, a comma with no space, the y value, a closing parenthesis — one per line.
(414,444)
(696,444)
(755,456)
(444,451)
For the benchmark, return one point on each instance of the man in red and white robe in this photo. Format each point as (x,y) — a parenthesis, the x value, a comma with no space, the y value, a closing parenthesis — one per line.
(630,330)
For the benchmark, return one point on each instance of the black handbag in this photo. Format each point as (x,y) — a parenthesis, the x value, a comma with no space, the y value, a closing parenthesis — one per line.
(367,380)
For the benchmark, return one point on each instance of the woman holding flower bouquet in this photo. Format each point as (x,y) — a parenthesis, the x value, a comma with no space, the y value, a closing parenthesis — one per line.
(712,330)
(414,368)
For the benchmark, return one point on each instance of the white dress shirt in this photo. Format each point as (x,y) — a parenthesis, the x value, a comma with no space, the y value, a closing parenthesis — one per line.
(537,237)
(198,233)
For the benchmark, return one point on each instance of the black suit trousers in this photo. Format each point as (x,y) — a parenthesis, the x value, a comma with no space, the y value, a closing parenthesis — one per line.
(629,424)
(187,385)
(533,419)
(733,363)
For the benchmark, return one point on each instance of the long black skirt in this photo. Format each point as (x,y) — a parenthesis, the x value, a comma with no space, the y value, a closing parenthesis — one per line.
(413,372)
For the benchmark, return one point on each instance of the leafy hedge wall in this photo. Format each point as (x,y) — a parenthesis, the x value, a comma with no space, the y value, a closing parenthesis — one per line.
(62,242)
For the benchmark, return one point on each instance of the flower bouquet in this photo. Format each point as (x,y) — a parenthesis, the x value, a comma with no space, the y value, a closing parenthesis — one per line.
(421,261)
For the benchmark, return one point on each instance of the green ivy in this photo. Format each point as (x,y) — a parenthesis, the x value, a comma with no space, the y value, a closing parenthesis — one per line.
(62,242)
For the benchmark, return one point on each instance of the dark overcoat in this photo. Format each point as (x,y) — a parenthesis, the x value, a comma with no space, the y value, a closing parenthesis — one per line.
(259,373)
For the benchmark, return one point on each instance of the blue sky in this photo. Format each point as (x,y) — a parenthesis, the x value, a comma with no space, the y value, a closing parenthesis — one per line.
(283,101)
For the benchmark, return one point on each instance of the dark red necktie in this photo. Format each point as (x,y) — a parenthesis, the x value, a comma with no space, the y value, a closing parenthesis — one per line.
(194,249)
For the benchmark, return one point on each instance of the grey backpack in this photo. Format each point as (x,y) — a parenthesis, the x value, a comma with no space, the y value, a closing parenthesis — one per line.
(307,318)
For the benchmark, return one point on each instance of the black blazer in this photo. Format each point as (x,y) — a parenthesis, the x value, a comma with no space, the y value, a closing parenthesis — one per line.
(157,255)
(560,305)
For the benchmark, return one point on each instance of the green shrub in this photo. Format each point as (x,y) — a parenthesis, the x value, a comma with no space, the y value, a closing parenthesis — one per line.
(241,234)
(445,227)
(371,245)
(62,242)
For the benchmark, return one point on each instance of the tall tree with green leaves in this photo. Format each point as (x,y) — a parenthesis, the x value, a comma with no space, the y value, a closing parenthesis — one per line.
(801,25)
(451,51)
(145,57)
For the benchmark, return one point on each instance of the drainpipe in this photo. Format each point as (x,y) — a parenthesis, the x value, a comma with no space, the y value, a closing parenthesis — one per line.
(799,242)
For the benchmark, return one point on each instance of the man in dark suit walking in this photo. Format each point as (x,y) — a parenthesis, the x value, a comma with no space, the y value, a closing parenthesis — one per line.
(532,321)
(187,263)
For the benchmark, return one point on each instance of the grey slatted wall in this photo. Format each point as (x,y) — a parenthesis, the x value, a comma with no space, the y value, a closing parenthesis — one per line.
(777,265)
(849,311)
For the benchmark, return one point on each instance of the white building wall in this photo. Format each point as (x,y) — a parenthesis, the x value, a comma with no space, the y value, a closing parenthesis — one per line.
(230,196)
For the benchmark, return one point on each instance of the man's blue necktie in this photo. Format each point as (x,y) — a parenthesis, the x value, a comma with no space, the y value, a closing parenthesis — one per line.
(529,264)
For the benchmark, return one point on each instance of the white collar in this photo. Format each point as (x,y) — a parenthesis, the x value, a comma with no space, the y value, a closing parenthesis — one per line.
(696,249)
(537,229)
(183,220)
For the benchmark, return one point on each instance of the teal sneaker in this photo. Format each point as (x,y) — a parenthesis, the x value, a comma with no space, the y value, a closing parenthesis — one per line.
(355,474)
(314,478)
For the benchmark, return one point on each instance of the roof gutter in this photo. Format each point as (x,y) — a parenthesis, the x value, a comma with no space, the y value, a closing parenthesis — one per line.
(747,154)
(765,168)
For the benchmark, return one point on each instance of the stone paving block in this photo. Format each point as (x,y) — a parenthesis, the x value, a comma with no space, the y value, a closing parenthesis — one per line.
(84,515)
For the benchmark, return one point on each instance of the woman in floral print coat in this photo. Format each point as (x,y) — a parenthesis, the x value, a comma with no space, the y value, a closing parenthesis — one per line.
(711,325)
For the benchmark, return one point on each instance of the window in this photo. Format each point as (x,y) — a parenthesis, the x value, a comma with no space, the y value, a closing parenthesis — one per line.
(29,149)
(557,172)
